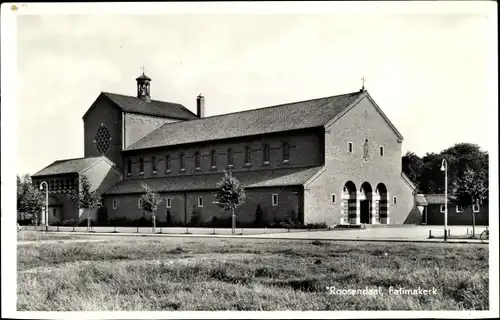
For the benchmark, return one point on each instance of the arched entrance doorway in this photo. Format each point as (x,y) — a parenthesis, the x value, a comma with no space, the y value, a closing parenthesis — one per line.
(349,203)
(365,203)
(381,204)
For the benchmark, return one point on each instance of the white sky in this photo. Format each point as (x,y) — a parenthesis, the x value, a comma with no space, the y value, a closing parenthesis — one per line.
(428,72)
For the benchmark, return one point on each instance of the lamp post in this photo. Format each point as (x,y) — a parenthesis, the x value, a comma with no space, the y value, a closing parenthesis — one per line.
(444,167)
(46,218)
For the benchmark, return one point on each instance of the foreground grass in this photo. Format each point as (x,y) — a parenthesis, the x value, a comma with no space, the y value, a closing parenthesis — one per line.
(237,274)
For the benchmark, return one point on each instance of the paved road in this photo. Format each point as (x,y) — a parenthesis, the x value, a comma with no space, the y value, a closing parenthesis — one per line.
(393,233)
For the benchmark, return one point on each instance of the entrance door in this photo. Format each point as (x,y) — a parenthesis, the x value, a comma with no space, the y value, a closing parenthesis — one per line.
(365,211)
(424,216)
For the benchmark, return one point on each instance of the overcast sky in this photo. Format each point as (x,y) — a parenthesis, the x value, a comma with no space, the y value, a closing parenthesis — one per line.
(430,73)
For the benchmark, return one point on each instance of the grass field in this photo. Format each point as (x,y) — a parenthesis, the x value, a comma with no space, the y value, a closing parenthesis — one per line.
(244,274)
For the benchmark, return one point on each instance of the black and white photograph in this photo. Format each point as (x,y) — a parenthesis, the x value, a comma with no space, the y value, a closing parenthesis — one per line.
(249,160)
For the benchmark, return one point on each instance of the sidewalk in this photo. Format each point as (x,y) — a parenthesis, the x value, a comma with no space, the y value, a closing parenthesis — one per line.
(301,236)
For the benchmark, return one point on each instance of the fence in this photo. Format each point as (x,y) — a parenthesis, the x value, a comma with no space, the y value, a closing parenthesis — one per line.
(165,230)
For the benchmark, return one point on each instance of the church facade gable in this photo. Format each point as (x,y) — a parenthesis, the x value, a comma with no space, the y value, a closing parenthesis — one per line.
(362,180)
(102,126)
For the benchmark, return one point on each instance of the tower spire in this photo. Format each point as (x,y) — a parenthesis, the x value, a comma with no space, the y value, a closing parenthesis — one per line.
(143,86)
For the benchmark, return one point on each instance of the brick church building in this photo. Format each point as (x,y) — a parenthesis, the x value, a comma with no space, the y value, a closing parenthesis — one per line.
(335,159)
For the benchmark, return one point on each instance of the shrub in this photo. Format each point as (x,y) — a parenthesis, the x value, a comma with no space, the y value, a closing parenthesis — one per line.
(285,223)
(294,217)
(172,224)
(169,218)
(259,216)
(84,223)
(317,225)
(195,217)
(25,222)
(215,222)
(70,222)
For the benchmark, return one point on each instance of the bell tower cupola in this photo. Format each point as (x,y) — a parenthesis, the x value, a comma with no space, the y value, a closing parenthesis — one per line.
(143,87)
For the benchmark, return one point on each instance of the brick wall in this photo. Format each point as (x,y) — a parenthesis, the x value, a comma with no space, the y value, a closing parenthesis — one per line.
(288,200)
(362,122)
(104,113)
(305,149)
(436,217)
(60,187)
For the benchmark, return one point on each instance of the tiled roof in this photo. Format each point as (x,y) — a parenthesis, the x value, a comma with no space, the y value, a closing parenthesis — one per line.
(143,77)
(249,179)
(291,116)
(438,198)
(154,108)
(421,201)
(69,166)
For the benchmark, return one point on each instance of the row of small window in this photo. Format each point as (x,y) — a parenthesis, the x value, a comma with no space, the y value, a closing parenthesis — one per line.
(394,200)
(460,209)
(60,184)
(213,159)
(274,202)
(350,148)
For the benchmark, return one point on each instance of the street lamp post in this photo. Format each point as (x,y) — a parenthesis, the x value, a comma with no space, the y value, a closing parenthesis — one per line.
(444,167)
(46,218)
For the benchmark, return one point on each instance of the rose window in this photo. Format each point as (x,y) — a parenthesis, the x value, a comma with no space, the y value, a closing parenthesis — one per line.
(102,139)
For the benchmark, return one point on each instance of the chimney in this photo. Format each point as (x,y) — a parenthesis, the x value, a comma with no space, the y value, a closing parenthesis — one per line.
(200,106)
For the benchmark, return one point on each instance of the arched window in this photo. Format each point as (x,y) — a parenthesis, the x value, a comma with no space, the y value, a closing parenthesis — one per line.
(248,155)
(266,153)
(286,152)
(230,157)
(182,162)
(167,163)
(197,160)
(141,165)
(213,159)
(153,164)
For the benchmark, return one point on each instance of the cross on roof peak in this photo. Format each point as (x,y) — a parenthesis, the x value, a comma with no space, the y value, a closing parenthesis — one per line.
(363,80)
(143,69)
